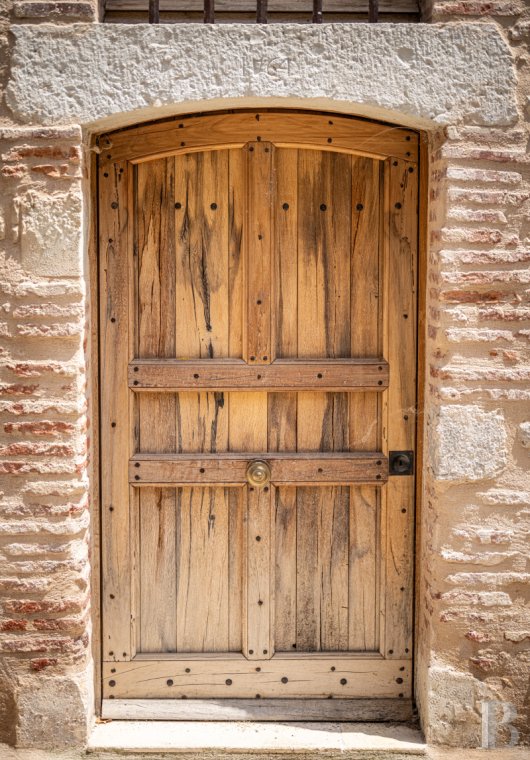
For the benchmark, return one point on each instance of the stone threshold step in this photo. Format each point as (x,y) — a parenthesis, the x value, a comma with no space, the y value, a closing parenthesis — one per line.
(205,739)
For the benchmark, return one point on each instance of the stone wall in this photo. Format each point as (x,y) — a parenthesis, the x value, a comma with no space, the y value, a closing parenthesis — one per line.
(466,85)
(476,506)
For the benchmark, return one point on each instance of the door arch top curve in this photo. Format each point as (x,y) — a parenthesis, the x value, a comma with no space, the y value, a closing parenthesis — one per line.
(283,128)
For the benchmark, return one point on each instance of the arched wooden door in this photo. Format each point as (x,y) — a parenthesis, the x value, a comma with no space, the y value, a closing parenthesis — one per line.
(258,363)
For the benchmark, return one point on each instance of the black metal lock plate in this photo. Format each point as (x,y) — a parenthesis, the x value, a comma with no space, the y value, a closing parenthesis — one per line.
(401,462)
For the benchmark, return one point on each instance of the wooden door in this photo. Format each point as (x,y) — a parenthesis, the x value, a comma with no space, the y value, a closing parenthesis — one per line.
(258,305)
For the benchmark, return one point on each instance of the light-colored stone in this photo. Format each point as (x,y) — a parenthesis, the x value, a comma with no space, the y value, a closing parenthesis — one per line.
(42,709)
(524,434)
(50,233)
(254,737)
(467,443)
(442,74)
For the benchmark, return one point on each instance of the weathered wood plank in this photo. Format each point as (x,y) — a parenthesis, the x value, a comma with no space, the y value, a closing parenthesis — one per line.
(335,710)
(154,469)
(402,254)
(115,431)
(283,374)
(258,640)
(365,408)
(202,570)
(237,200)
(156,430)
(259,348)
(201,198)
(285,569)
(283,128)
(277,677)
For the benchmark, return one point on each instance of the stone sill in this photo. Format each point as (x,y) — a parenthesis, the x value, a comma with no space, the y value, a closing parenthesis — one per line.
(224,739)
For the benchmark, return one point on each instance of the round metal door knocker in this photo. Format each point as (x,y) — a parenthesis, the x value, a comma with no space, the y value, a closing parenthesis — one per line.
(258,473)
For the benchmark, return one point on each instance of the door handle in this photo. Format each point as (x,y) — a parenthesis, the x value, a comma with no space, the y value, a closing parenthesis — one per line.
(258,473)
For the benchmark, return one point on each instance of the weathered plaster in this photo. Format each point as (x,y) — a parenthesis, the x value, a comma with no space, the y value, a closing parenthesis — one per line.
(441,74)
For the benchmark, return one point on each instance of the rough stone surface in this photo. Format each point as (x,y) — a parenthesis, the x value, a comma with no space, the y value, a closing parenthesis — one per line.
(50,233)
(470,444)
(42,710)
(524,434)
(442,74)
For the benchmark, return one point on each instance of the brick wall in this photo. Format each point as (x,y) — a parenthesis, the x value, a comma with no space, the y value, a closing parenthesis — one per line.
(44,538)
(474,614)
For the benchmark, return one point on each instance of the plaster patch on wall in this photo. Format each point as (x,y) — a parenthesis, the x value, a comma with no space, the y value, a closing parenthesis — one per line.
(467,443)
(443,73)
(50,233)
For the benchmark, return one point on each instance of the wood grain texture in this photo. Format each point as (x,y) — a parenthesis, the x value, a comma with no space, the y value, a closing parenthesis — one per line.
(218,677)
(334,710)
(402,304)
(283,128)
(325,468)
(259,348)
(203,570)
(266,291)
(115,431)
(155,418)
(233,375)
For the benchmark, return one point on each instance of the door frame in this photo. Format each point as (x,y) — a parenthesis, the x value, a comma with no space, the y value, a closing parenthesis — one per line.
(99,142)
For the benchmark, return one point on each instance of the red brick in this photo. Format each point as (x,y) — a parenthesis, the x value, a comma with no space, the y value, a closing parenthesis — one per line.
(59,171)
(17,389)
(71,153)
(13,625)
(37,449)
(42,663)
(45,468)
(32,607)
(29,644)
(470,296)
(35,369)
(41,428)
(14,171)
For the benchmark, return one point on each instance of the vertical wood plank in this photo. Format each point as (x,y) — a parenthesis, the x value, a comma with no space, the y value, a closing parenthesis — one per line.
(202,291)
(285,544)
(364,589)
(282,410)
(258,642)
(115,437)
(259,348)
(237,199)
(324,212)
(155,291)
(402,254)
(202,422)
(365,423)
(202,208)
(202,569)
(237,552)
(248,432)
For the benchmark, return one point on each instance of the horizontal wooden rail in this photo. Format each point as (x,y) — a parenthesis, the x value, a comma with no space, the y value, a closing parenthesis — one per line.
(286,468)
(236,375)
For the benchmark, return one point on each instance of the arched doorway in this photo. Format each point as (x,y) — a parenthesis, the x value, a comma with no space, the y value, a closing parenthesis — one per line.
(258,388)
